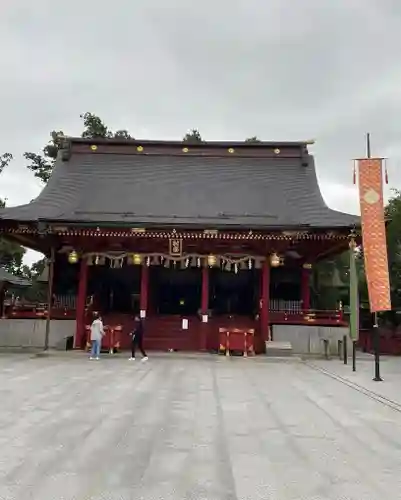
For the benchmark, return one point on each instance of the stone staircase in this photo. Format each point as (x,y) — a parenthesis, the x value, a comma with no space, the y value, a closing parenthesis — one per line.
(278,349)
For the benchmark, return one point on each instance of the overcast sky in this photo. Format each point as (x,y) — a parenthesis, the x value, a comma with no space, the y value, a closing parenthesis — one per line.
(279,69)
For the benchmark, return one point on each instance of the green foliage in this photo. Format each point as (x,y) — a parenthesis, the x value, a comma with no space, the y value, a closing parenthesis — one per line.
(393,215)
(94,128)
(5,159)
(253,140)
(11,254)
(38,268)
(193,137)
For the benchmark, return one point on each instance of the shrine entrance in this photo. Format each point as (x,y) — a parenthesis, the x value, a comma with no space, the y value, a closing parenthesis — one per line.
(175,291)
(115,290)
(234,293)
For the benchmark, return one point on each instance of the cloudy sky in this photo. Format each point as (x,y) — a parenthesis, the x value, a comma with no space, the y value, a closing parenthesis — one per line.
(279,69)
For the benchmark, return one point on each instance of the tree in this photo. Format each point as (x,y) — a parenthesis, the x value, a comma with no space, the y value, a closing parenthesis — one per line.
(5,159)
(94,128)
(253,140)
(11,254)
(393,232)
(193,137)
(38,267)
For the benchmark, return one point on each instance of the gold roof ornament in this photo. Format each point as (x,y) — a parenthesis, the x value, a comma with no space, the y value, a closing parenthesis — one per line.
(93,147)
(139,149)
(231,150)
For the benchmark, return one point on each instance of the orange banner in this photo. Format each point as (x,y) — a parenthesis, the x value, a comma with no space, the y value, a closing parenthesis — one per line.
(374,233)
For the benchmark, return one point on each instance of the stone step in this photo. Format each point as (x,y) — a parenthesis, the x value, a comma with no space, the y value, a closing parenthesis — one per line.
(278,349)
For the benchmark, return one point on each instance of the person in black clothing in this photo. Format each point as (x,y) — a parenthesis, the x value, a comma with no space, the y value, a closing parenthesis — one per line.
(137,339)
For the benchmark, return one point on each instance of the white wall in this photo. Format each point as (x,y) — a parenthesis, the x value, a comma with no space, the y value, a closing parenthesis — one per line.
(31,332)
(309,339)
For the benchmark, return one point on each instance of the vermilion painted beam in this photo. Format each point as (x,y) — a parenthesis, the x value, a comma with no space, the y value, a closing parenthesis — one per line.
(265,300)
(143,301)
(81,302)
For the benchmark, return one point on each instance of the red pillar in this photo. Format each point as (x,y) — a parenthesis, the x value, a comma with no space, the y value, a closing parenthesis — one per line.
(143,301)
(205,290)
(265,300)
(204,308)
(81,303)
(305,289)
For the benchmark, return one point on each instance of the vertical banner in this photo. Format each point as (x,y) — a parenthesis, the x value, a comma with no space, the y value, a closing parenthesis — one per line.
(374,233)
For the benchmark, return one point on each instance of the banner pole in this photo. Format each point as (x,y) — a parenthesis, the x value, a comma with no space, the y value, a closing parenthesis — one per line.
(375,332)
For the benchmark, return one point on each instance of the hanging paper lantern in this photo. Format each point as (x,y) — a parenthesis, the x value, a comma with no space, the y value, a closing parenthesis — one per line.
(73,257)
(137,259)
(148,261)
(275,260)
(211,260)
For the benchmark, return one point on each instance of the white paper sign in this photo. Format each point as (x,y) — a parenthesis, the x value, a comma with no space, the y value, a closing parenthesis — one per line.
(142,314)
(185,324)
(205,318)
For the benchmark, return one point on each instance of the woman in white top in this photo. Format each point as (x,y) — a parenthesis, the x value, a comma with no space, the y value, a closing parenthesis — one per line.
(97,333)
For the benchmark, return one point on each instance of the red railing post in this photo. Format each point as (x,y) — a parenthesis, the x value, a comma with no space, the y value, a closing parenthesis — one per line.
(80,304)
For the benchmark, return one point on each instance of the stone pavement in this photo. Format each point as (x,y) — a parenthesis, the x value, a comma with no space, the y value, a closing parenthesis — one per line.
(362,378)
(196,427)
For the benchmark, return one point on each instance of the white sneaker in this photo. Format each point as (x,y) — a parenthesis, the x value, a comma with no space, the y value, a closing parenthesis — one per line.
(131,359)
(91,357)
(145,358)
(97,359)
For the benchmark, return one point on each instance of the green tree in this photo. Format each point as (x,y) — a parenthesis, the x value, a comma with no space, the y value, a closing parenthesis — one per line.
(11,254)
(393,232)
(5,159)
(253,140)
(193,137)
(94,128)
(38,268)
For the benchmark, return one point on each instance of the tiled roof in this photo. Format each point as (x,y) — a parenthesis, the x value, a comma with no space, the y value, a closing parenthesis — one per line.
(205,189)
(7,277)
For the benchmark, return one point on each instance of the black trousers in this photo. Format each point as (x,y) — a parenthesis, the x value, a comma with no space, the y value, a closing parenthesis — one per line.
(137,342)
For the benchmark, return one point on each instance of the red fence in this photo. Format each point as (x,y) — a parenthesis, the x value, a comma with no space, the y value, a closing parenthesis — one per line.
(237,339)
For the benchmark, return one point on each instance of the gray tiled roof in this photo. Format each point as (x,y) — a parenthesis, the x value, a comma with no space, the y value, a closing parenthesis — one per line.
(211,191)
(7,277)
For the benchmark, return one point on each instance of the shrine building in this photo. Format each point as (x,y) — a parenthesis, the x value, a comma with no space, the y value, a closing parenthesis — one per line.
(194,238)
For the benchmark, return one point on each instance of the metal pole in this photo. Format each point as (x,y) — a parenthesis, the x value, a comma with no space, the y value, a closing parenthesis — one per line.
(376,348)
(353,356)
(49,297)
(375,332)
(345,350)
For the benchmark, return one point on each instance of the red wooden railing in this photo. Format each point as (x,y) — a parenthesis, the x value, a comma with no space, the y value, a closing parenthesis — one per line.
(33,311)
